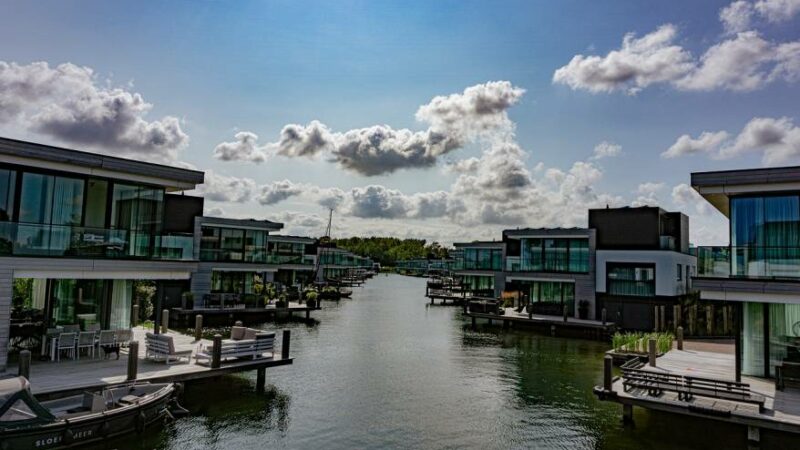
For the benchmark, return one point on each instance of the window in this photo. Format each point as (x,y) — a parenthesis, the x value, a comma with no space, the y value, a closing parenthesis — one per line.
(555,255)
(232,243)
(765,236)
(680,272)
(137,208)
(8,180)
(550,297)
(631,279)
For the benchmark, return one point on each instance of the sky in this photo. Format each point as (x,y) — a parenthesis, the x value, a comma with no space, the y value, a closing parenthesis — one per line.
(444,120)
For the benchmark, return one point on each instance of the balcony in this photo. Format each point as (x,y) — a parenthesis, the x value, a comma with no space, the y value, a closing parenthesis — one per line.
(762,262)
(253,256)
(21,239)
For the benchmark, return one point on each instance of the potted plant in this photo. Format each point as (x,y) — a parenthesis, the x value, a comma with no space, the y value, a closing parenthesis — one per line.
(281,302)
(311,299)
(583,309)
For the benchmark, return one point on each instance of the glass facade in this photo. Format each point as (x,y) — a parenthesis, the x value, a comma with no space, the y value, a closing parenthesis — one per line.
(245,245)
(232,282)
(631,279)
(478,283)
(765,236)
(770,337)
(554,255)
(477,258)
(550,297)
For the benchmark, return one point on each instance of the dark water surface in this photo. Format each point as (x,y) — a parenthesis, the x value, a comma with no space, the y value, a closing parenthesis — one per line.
(383,370)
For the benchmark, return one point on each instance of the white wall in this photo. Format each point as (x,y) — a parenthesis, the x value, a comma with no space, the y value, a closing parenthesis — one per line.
(666,263)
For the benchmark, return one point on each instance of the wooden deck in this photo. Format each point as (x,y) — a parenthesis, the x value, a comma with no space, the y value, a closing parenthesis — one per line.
(782,408)
(228,316)
(48,378)
(594,329)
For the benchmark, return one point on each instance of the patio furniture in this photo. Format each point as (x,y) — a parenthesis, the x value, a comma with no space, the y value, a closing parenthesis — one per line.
(72,328)
(124,336)
(244,343)
(161,347)
(86,341)
(66,342)
(95,327)
(49,340)
(787,371)
(108,343)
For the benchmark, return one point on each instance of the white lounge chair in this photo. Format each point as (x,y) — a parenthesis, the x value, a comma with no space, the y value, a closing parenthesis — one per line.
(161,347)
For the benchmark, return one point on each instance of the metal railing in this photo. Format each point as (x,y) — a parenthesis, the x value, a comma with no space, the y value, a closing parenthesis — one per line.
(749,262)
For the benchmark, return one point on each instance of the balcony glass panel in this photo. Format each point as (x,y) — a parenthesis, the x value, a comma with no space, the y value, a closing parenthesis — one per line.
(7,184)
(631,280)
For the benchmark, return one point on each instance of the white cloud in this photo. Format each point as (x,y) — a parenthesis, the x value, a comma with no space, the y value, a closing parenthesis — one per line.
(214,212)
(606,149)
(244,148)
(67,103)
(648,194)
(777,139)
(707,142)
(684,196)
(221,188)
(736,17)
(777,10)
(278,191)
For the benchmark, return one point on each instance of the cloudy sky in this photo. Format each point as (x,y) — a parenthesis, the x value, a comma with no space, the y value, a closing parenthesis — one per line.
(442,120)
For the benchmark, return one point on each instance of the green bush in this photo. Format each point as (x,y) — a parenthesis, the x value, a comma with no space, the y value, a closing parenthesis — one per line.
(636,342)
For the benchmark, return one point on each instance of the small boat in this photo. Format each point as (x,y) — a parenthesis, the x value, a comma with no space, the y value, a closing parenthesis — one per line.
(26,423)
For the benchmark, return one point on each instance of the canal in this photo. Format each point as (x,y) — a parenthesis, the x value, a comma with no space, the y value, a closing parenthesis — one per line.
(385,370)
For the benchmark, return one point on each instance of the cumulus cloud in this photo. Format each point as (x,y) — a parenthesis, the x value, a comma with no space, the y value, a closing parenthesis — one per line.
(640,62)
(684,196)
(707,142)
(777,139)
(648,194)
(68,103)
(378,201)
(606,149)
(777,10)
(221,188)
(214,212)
(294,219)
(479,112)
(736,17)
(278,191)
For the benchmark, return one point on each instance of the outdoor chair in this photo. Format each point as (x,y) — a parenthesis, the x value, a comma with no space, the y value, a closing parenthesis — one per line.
(86,341)
(72,328)
(66,342)
(160,347)
(124,336)
(108,342)
(94,327)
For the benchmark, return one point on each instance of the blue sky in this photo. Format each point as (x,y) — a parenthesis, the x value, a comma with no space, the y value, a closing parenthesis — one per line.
(224,67)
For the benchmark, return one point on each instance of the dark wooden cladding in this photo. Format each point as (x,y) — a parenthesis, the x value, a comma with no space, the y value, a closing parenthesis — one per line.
(180,211)
(638,228)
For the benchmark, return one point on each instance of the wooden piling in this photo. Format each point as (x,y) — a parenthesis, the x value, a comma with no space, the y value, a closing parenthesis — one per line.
(198,327)
(651,352)
(627,414)
(676,317)
(25,364)
(261,379)
(133,360)
(603,316)
(216,352)
(662,312)
(608,364)
(655,318)
(164,320)
(680,338)
(287,338)
(566,312)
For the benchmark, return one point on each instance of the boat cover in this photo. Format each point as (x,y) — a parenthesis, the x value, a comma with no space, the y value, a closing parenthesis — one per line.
(18,407)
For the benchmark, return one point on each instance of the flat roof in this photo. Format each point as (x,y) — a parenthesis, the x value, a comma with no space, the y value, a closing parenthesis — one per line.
(524,232)
(287,238)
(241,223)
(718,186)
(19,151)
(491,244)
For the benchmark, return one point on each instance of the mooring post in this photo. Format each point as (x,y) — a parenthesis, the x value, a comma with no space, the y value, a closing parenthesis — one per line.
(25,364)
(287,339)
(474,324)
(680,338)
(198,327)
(709,320)
(663,317)
(627,414)
(608,364)
(164,320)
(261,379)
(651,352)
(655,318)
(133,360)
(135,316)
(566,312)
(603,316)
(216,352)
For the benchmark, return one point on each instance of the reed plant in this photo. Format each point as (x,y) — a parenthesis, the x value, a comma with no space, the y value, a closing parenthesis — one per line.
(636,342)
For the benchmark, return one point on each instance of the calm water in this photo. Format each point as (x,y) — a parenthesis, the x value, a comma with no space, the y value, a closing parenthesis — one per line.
(383,370)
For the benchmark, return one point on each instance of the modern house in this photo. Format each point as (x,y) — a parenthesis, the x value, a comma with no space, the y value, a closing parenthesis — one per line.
(480,265)
(642,260)
(759,272)
(552,268)
(77,228)
(335,263)
(296,257)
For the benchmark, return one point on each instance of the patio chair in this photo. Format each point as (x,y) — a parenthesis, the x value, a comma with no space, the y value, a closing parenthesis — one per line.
(86,341)
(108,342)
(161,347)
(95,327)
(66,342)
(124,336)
(72,328)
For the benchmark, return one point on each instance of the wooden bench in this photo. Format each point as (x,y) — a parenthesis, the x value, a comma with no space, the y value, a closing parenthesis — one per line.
(239,348)
(160,347)
(689,386)
(786,371)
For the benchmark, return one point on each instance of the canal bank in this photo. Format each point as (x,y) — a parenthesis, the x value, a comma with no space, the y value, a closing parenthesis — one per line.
(383,371)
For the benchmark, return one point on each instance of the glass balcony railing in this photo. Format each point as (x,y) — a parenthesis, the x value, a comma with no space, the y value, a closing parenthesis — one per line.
(253,256)
(22,239)
(748,262)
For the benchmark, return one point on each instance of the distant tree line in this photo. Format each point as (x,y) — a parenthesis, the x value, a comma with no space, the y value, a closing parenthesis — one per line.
(388,250)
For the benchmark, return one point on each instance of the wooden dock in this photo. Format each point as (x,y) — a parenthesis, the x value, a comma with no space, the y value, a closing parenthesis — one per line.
(555,325)
(58,378)
(184,318)
(781,410)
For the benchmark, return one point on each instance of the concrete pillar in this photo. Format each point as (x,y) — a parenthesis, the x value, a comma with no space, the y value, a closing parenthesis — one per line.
(198,327)
(133,360)
(680,338)
(135,316)
(676,315)
(655,318)
(603,316)
(566,312)
(753,434)
(710,320)
(663,314)
(651,352)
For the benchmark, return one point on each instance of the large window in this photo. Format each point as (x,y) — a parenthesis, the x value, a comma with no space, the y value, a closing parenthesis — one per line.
(550,297)
(631,279)
(137,208)
(8,182)
(555,255)
(479,283)
(765,236)
(232,282)
(483,259)
(233,244)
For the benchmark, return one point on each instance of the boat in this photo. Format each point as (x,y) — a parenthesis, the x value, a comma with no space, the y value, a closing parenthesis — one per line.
(26,423)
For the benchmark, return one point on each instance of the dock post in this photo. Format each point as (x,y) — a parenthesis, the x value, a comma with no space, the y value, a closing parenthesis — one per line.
(566,312)
(287,338)
(655,318)
(198,327)
(133,360)
(164,321)
(261,379)
(663,314)
(709,320)
(676,317)
(753,434)
(627,414)
(474,325)
(25,364)
(608,364)
(603,316)
(308,314)
(216,352)
(651,352)
(680,338)
(135,316)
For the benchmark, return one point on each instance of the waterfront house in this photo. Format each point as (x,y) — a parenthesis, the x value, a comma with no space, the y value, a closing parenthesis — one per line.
(552,268)
(337,263)
(759,271)
(479,265)
(77,228)
(295,257)
(642,261)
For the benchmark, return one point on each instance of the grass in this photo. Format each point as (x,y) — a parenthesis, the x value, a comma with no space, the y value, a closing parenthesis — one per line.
(637,342)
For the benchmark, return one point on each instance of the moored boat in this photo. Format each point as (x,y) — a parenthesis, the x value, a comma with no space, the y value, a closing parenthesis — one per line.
(26,423)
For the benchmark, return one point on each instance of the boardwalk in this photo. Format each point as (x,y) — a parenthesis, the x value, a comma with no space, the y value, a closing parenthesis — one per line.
(594,329)
(67,375)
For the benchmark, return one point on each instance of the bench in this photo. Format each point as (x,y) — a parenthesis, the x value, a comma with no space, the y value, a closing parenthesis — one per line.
(689,386)
(160,347)
(244,343)
(786,371)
